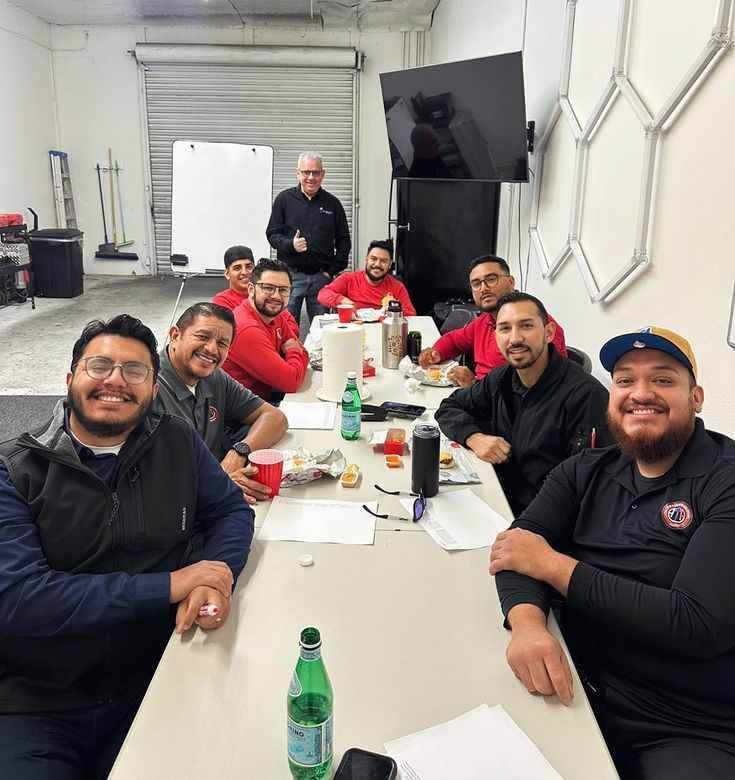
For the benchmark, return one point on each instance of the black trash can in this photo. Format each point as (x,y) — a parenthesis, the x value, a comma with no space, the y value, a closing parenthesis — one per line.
(57,262)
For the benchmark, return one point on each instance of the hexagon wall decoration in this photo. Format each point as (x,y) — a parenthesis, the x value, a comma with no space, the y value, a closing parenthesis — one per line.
(652,125)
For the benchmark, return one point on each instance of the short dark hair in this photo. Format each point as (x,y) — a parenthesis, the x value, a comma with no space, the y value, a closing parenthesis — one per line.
(489,259)
(124,325)
(520,297)
(387,245)
(266,264)
(238,252)
(205,309)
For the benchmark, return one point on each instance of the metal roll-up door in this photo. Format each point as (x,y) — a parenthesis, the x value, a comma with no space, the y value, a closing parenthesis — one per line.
(292,109)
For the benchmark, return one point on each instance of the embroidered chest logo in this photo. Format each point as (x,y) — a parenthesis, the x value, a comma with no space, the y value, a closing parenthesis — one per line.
(279,333)
(677,514)
(213,414)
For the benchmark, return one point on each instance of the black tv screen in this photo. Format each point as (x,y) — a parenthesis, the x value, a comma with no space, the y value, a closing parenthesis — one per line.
(461,120)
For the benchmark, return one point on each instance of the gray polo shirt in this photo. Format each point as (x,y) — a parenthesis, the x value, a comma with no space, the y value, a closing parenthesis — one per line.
(218,401)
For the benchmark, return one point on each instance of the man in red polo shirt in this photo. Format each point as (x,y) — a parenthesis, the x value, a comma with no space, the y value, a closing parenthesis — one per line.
(490,280)
(239,264)
(367,289)
(266,355)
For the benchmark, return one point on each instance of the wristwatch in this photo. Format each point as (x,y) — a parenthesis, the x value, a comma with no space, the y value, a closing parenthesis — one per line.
(242,449)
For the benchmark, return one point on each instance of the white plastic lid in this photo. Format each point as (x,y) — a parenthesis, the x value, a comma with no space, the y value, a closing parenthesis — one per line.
(352,374)
(305,559)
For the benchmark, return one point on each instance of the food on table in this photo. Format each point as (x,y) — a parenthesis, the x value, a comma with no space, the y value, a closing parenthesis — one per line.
(446,459)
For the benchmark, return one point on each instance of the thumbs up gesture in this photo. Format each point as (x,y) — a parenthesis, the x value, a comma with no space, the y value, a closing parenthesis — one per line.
(299,243)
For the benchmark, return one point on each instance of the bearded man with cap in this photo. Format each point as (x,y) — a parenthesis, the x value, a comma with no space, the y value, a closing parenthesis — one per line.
(639,539)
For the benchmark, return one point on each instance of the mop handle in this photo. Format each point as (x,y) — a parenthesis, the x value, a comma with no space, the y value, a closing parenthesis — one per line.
(119,200)
(102,202)
(112,196)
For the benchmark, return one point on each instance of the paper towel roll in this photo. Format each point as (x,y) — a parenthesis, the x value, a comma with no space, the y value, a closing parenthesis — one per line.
(341,352)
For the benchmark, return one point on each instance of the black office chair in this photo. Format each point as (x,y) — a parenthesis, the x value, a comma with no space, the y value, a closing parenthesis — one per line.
(456,319)
(580,357)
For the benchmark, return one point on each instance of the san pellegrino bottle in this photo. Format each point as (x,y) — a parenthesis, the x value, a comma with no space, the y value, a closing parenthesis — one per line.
(351,409)
(310,703)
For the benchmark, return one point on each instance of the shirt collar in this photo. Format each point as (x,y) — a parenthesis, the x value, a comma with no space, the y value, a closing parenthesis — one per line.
(170,378)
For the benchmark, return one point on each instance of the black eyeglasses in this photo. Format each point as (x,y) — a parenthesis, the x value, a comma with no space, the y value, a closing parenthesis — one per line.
(311,174)
(98,367)
(488,281)
(269,289)
(419,506)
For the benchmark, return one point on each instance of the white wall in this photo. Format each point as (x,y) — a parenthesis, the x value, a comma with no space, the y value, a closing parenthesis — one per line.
(99,106)
(27,126)
(688,285)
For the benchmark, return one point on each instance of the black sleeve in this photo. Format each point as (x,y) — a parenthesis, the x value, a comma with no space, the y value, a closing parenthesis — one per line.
(342,240)
(466,411)
(553,515)
(587,413)
(276,232)
(696,616)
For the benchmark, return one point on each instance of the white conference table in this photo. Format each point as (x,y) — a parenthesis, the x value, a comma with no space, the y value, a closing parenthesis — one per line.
(412,636)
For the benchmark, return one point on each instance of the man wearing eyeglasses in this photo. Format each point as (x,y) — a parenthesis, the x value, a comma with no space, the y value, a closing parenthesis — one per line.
(117,526)
(490,280)
(266,355)
(308,229)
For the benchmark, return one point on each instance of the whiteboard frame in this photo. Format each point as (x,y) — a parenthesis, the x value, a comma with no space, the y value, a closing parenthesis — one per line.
(221,195)
(731,327)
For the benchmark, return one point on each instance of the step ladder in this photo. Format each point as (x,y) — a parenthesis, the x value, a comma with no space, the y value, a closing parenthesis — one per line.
(66,216)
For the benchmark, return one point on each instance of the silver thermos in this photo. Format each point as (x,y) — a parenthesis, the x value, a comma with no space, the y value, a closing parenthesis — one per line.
(395,335)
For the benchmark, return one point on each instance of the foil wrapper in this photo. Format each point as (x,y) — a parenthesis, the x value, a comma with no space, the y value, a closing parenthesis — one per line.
(301,466)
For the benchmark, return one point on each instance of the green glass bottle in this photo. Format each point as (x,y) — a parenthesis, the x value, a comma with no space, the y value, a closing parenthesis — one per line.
(351,409)
(309,704)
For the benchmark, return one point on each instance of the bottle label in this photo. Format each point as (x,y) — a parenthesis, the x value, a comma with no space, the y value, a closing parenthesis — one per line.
(351,421)
(310,745)
(294,689)
(347,397)
(310,655)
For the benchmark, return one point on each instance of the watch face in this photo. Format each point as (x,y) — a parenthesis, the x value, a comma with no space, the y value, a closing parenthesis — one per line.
(242,449)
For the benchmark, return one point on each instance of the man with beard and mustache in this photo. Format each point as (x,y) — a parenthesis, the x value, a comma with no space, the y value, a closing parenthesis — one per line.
(117,526)
(638,538)
(266,353)
(367,289)
(529,415)
(490,280)
(231,419)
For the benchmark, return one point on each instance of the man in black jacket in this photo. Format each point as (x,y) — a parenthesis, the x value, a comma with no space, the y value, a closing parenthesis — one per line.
(309,230)
(117,526)
(639,540)
(528,416)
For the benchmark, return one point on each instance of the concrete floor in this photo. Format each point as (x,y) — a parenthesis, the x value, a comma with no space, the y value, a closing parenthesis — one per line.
(36,344)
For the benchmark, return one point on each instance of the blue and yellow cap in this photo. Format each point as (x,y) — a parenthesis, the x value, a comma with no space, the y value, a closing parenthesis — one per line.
(662,339)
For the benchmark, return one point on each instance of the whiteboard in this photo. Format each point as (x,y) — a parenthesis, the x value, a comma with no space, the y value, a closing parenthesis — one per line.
(221,195)
(731,326)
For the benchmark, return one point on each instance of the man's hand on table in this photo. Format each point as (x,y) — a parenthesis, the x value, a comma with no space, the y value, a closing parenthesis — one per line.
(210,574)
(491,449)
(429,357)
(461,376)
(528,553)
(535,657)
(187,612)
(251,488)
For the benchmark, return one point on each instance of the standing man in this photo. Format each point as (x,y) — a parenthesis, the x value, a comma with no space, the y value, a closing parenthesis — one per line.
(529,415)
(266,354)
(239,264)
(370,288)
(490,280)
(117,526)
(309,230)
(231,419)
(639,539)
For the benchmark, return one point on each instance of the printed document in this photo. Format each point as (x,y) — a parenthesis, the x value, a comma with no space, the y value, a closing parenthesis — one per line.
(309,416)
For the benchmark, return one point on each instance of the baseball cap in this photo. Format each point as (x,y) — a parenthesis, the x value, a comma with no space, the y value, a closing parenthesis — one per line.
(662,339)
(238,252)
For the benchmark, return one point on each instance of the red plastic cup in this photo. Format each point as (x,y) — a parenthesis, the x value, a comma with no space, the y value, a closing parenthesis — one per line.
(344,312)
(270,468)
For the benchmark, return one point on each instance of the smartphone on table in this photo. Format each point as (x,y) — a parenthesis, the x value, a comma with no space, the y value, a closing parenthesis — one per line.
(359,764)
(406,411)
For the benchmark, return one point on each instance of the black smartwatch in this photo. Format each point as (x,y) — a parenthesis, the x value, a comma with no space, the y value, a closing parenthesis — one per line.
(242,449)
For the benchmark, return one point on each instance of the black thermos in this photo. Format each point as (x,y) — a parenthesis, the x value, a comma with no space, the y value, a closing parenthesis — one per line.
(425,460)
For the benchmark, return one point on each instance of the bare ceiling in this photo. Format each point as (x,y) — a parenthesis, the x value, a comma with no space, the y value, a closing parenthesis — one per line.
(334,14)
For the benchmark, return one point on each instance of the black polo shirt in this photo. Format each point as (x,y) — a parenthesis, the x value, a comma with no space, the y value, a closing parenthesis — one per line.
(650,609)
(321,221)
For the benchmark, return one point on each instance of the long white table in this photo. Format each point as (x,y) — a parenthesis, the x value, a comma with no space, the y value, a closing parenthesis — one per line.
(412,637)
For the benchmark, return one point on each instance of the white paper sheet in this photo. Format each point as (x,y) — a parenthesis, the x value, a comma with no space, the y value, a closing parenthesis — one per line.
(304,520)
(309,416)
(482,743)
(460,520)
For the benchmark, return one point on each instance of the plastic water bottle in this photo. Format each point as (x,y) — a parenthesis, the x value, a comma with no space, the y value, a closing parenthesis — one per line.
(351,409)
(310,703)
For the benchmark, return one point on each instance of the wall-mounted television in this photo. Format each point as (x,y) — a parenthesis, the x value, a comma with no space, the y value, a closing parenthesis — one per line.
(461,120)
